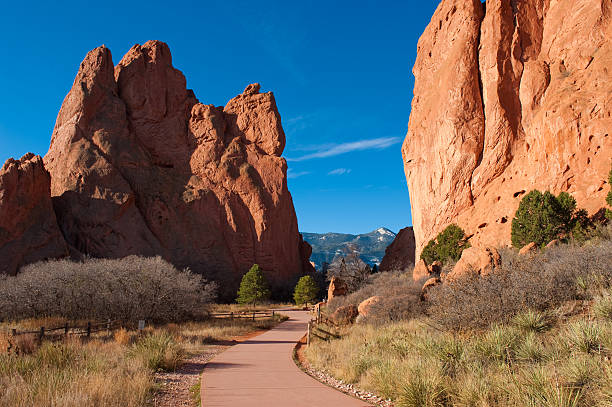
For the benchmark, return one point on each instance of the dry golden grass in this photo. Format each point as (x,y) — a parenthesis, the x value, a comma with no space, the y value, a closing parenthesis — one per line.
(123,336)
(523,363)
(72,373)
(115,370)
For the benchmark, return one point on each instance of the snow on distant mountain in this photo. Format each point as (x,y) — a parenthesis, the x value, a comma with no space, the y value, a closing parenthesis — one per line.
(370,246)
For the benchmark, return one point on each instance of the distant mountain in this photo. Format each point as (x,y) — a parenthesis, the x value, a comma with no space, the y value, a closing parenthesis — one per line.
(370,246)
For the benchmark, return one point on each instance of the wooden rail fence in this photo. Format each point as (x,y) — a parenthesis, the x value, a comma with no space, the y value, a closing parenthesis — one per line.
(315,329)
(66,329)
(244,314)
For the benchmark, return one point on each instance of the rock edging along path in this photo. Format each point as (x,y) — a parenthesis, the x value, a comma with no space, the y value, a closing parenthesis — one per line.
(261,372)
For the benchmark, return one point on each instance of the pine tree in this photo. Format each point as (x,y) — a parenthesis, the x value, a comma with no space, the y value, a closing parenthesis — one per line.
(609,197)
(306,291)
(253,287)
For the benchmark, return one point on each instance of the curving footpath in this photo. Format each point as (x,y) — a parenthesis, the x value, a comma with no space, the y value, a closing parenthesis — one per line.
(261,372)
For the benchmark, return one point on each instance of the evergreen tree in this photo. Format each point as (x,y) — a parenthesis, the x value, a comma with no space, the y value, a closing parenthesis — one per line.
(253,287)
(448,245)
(609,197)
(543,217)
(306,291)
(429,252)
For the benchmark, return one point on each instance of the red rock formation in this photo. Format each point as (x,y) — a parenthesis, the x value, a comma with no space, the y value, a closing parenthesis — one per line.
(337,288)
(399,255)
(475,261)
(28,228)
(508,99)
(139,166)
(365,307)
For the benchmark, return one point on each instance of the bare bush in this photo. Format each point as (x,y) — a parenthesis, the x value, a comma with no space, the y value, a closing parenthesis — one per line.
(127,289)
(400,297)
(350,269)
(543,282)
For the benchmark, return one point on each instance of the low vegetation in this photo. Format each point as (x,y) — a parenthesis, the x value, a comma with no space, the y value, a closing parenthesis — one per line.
(537,332)
(127,289)
(114,370)
(400,297)
(557,276)
(554,362)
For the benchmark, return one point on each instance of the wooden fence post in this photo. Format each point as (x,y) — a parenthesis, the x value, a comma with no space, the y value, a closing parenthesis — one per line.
(42,332)
(253,316)
(14,332)
(108,326)
(308,336)
(272,314)
(232,316)
(66,328)
(88,329)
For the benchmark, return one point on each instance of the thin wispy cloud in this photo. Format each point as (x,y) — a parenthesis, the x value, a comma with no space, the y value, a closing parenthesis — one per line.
(337,149)
(340,171)
(292,174)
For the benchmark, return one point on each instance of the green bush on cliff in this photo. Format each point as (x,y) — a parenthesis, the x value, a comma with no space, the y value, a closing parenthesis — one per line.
(306,291)
(609,197)
(448,245)
(543,217)
(253,287)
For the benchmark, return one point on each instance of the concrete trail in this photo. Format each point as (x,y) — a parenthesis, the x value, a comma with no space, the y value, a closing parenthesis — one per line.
(261,372)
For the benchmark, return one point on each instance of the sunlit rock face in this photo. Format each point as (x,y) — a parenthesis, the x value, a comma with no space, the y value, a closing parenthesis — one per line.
(139,166)
(509,97)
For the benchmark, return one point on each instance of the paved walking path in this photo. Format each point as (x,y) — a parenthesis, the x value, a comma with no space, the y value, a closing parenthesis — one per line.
(261,372)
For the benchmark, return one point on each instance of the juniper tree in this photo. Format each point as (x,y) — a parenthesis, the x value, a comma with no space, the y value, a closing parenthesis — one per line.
(448,245)
(609,197)
(543,217)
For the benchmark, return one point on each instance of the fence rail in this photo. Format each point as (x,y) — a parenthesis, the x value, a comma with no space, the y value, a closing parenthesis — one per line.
(110,326)
(87,329)
(244,314)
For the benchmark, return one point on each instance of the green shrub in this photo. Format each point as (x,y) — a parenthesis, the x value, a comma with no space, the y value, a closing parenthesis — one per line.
(306,291)
(448,245)
(253,287)
(609,197)
(543,217)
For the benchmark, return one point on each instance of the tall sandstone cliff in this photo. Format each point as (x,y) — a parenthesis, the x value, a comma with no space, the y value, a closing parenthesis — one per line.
(28,227)
(139,166)
(509,96)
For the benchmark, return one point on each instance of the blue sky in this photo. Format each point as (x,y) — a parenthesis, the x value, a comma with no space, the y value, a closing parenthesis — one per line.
(340,71)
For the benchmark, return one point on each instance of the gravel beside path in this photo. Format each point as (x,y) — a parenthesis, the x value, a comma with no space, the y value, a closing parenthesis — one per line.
(175,386)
